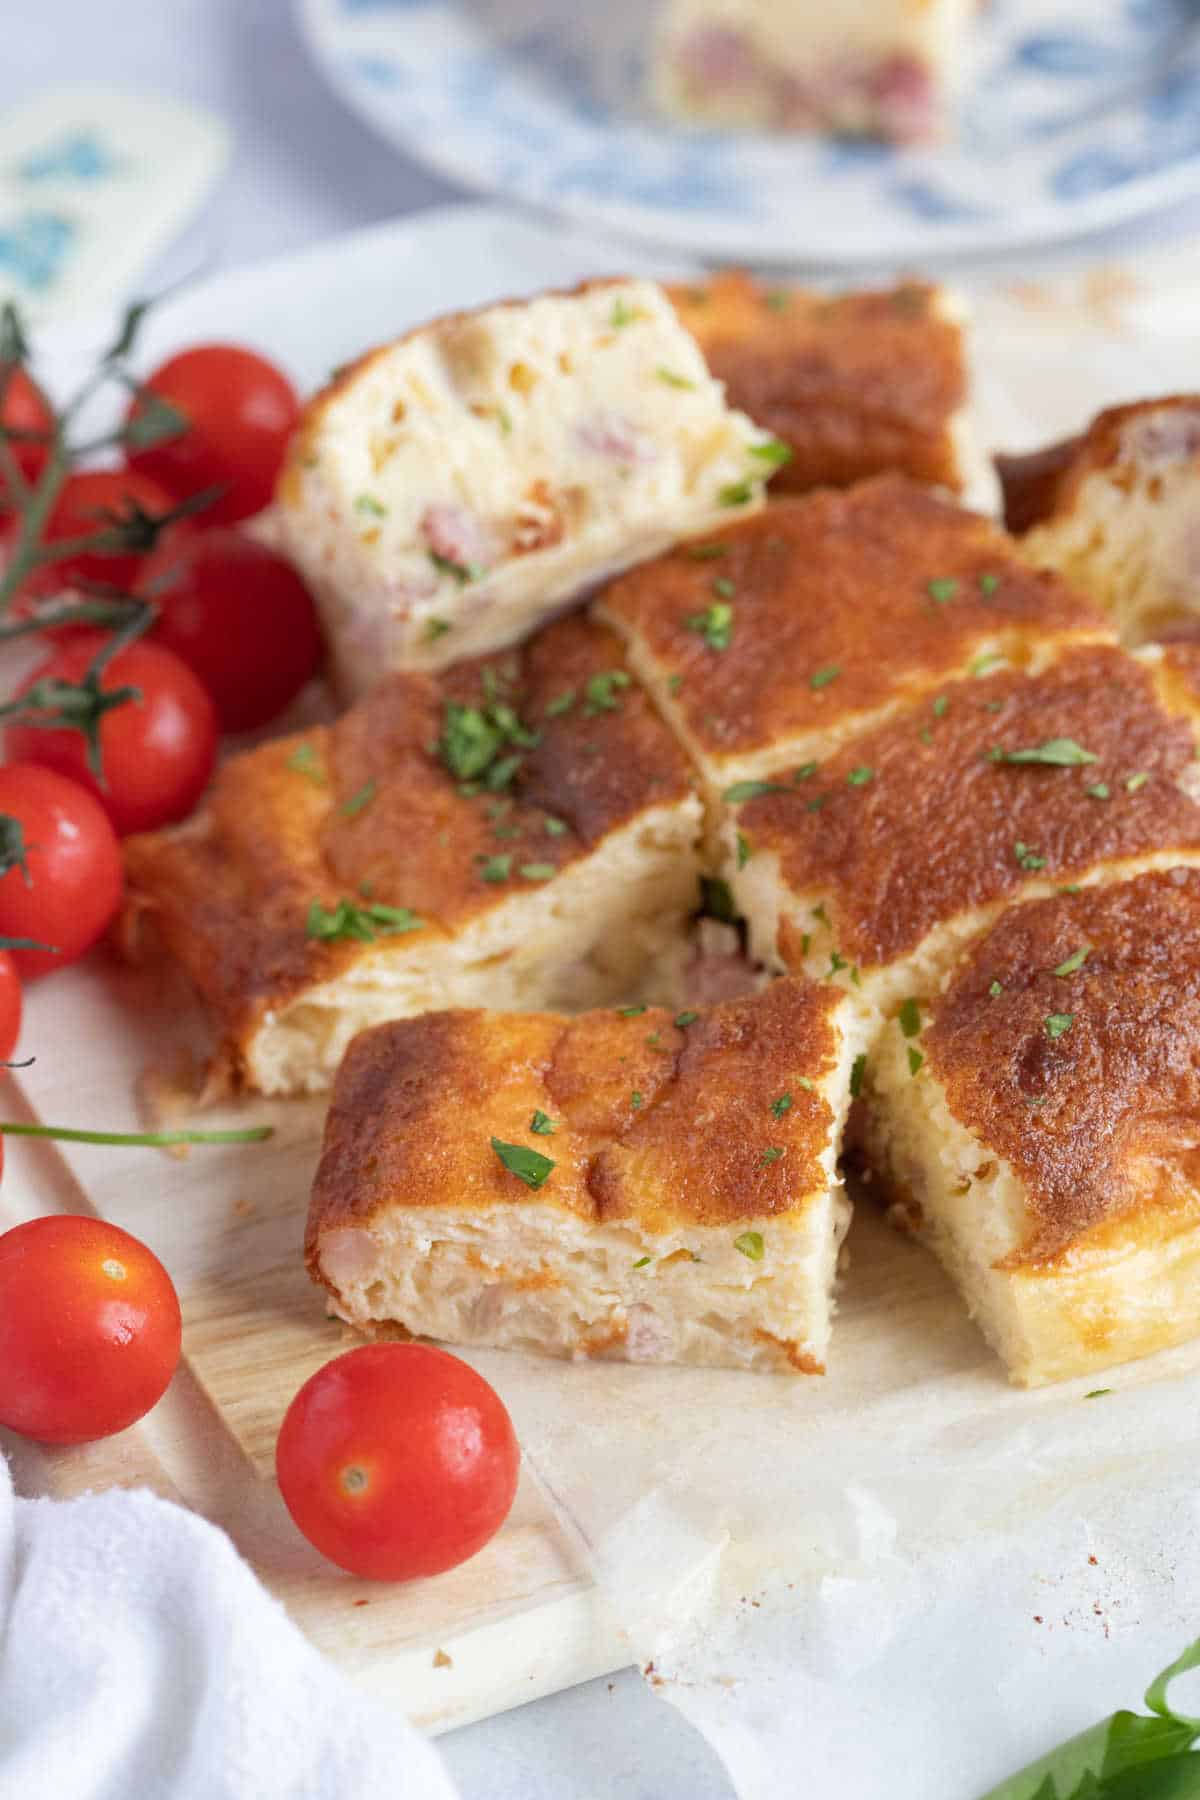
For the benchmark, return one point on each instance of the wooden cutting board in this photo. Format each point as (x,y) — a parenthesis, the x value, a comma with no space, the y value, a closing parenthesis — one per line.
(519,1620)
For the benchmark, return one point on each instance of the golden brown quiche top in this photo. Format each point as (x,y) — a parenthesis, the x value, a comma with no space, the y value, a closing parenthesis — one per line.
(698,1118)
(855,384)
(831,605)
(961,803)
(1069,1043)
(431,801)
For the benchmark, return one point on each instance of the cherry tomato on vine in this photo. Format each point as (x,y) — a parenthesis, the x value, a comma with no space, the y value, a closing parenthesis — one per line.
(87,503)
(89,1329)
(240,412)
(70,885)
(24,408)
(157,751)
(240,617)
(10,1014)
(397,1460)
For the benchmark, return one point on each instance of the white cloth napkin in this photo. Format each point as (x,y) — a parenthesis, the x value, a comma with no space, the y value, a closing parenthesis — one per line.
(139,1656)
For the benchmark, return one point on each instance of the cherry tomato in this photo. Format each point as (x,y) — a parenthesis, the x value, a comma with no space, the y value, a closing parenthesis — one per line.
(240,409)
(10,1014)
(397,1460)
(71,884)
(89,1329)
(87,503)
(25,408)
(157,751)
(240,617)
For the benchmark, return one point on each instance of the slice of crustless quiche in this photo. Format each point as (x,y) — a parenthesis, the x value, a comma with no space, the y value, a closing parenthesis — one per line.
(629,1183)
(515,833)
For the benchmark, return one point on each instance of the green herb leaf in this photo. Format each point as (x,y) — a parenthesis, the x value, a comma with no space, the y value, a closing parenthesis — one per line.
(363,923)
(940,705)
(367,503)
(857,1072)
(496,868)
(983,665)
(706,552)
(529,1166)
(153,1140)
(943,589)
(751,1245)
(996,989)
(1058,1024)
(821,678)
(1057,753)
(1075,961)
(684,1019)
(724,587)
(737,493)
(1095,1393)
(714,624)
(805,772)
(636,1101)
(601,692)
(909,1018)
(1134,782)
(630,1012)
(782,1105)
(988,585)
(750,790)
(305,761)
(671,379)
(538,871)
(435,628)
(542,1124)
(1028,859)
(622,314)
(1099,791)
(860,777)
(744,851)
(554,827)
(351,808)
(462,572)
(915,1060)
(775,453)
(641,1262)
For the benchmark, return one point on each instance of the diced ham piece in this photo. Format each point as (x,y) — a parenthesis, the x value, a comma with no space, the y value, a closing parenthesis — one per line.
(611,435)
(646,1337)
(903,101)
(719,59)
(1170,436)
(459,535)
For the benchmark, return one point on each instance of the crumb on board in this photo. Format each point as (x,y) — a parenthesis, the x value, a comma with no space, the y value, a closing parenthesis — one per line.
(442,1661)
(362,1603)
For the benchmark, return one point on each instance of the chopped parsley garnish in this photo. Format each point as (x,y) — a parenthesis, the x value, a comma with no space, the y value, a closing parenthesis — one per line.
(435,628)
(942,589)
(1056,753)
(988,584)
(706,552)
(806,771)
(1099,791)
(1095,1393)
(496,868)
(1058,1024)
(915,1060)
(836,964)
(473,737)
(622,314)
(671,379)
(542,1124)
(538,871)
(351,808)
(601,692)
(925,735)
(818,912)
(910,1018)
(366,923)
(804,1082)
(504,420)
(1028,859)
(750,790)
(367,503)
(725,588)
(529,1166)
(940,705)
(822,677)
(674,683)
(750,1244)
(716,899)
(1075,961)
(775,453)
(630,1012)
(562,703)
(462,572)
(641,1262)
(737,493)
(654,1042)
(636,1101)
(554,827)
(744,851)
(817,804)
(770,1155)
(859,777)
(305,761)
(858,1070)
(714,624)
(782,1105)
(684,1019)
(996,989)
(1134,782)
(983,665)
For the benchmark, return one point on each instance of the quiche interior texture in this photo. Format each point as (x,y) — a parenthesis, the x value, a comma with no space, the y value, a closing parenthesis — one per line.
(949,831)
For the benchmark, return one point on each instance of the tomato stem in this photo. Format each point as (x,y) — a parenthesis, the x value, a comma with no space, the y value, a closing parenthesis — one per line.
(250,1134)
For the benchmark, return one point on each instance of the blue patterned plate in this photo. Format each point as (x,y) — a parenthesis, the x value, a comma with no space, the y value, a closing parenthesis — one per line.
(1076,114)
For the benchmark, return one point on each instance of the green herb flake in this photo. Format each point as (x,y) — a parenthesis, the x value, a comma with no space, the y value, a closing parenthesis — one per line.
(915,1060)
(750,1244)
(770,1155)
(636,1101)
(536,871)
(367,503)
(781,1106)
(706,552)
(1134,782)
(806,771)
(1058,1025)
(858,1070)
(542,1124)
(725,588)
(988,585)
(1095,1393)
(462,572)
(1099,791)
(670,379)
(816,804)
(714,624)
(504,420)
(554,827)
(821,678)
(996,989)
(529,1166)
(940,705)
(750,790)
(805,1082)
(819,912)
(674,683)
(641,1262)
(364,923)
(744,851)
(983,665)
(1074,961)
(861,776)
(775,453)
(1055,753)
(435,628)
(942,589)
(305,761)
(909,1018)
(602,690)
(623,314)
(836,964)
(1028,859)
(496,868)
(684,1019)
(351,808)
(630,1012)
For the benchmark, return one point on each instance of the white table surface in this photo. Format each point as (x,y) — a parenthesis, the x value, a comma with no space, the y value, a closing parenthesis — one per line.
(304,168)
